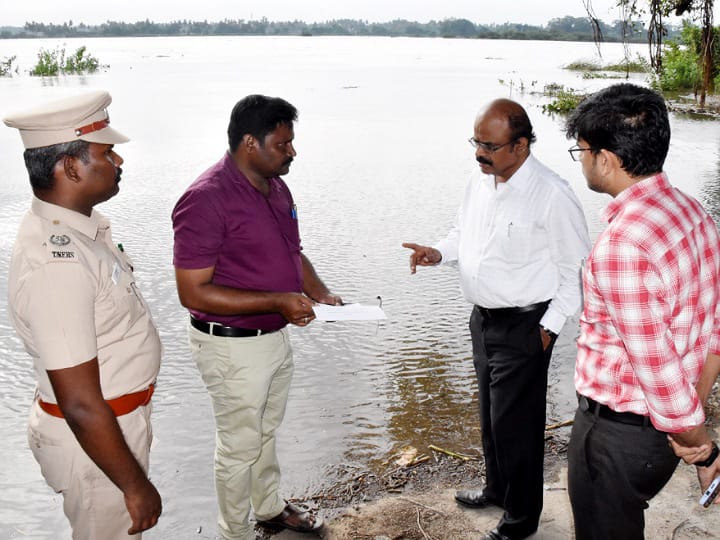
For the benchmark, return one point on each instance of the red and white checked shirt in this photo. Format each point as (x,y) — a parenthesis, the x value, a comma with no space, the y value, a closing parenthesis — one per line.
(651,306)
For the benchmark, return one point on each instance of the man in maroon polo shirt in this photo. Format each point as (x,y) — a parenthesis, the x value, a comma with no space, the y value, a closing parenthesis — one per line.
(242,275)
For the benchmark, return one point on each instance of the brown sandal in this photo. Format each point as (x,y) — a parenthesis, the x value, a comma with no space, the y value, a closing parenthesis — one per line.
(295,519)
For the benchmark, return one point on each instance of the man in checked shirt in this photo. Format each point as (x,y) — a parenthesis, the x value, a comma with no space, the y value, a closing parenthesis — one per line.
(650,326)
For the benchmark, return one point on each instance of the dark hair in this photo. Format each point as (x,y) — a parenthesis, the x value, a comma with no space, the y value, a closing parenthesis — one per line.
(520,126)
(40,162)
(258,115)
(628,120)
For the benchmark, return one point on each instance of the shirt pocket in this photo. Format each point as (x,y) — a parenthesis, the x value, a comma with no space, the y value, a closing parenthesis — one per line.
(518,241)
(125,297)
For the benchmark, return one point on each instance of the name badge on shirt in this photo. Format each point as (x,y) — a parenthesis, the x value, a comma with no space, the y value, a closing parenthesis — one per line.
(116,273)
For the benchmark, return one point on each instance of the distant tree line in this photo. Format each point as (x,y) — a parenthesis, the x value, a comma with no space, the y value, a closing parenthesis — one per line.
(560,29)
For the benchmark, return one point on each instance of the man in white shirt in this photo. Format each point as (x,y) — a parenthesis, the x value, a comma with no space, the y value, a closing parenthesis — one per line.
(519,239)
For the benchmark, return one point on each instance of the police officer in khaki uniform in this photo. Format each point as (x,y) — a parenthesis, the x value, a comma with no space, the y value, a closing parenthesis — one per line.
(75,305)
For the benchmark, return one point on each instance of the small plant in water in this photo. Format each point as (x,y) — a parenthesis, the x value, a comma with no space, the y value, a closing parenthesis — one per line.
(81,62)
(583,65)
(592,69)
(53,62)
(521,87)
(49,62)
(565,99)
(6,66)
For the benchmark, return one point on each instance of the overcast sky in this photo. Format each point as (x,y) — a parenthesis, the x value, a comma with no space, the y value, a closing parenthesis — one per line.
(536,12)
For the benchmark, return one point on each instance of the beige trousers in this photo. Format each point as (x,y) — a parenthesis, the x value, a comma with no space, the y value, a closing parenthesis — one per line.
(248,379)
(94,505)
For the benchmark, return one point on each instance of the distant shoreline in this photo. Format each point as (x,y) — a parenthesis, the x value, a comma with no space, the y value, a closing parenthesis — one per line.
(559,29)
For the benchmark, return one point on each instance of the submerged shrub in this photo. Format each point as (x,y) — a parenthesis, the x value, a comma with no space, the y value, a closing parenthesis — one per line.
(81,62)
(590,68)
(49,62)
(53,62)
(565,100)
(6,66)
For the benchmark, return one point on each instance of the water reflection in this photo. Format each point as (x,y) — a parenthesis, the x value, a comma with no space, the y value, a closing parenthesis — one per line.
(710,190)
(434,397)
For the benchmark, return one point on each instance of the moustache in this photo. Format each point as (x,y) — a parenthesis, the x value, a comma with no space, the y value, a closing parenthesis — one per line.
(483,160)
(118,174)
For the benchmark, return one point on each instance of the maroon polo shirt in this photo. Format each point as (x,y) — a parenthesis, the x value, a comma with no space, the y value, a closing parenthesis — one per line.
(252,240)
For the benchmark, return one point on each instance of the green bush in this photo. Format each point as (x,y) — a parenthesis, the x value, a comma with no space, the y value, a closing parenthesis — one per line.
(81,62)
(565,100)
(680,68)
(682,60)
(49,62)
(53,62)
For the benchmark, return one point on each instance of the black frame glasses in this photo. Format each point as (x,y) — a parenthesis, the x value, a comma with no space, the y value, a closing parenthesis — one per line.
(575,150)
(490,148)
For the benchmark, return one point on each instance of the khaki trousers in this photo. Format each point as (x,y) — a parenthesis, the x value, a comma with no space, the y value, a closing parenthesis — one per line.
(94,505)
(248,379)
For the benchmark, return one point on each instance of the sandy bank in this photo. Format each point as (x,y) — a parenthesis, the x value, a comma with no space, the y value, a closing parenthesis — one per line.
(429,512)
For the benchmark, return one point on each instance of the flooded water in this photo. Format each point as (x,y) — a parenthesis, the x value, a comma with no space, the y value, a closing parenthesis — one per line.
(383,159)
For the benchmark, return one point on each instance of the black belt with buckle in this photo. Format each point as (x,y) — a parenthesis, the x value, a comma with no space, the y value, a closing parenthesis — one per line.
(489,313)
(603,411)
(217,329)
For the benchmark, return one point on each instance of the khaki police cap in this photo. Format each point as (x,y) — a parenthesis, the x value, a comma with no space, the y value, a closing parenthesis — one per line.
(81,117)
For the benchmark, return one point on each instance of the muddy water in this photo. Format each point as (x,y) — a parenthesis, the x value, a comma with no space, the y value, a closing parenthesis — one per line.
(383,159)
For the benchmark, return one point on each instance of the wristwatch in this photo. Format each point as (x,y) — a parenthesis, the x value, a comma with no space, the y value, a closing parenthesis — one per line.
(549,332)
(713,456)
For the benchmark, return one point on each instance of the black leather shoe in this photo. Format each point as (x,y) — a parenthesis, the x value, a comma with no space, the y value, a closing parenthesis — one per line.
(475,498)
(495,535)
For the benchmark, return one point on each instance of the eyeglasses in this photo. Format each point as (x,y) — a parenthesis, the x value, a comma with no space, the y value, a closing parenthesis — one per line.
(490,148)
(574,152)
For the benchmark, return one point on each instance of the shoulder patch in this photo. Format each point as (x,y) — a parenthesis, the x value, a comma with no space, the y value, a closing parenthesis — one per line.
(59,239)
(59,249)
(58,243)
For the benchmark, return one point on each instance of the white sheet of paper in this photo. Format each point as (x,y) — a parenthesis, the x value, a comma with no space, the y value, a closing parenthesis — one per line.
(348,312)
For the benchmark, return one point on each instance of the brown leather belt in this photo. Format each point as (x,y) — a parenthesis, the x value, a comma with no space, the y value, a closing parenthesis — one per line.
(120,406)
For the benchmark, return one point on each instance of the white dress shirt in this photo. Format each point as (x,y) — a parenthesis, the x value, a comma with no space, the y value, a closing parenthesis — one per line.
(520,242)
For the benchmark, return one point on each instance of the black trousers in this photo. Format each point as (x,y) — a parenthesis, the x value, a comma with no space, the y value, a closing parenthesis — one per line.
(614,469)
(511,369)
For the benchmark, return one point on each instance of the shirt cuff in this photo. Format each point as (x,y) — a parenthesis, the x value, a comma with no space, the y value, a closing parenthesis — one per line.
(447,255)
(670,425)
(553,320)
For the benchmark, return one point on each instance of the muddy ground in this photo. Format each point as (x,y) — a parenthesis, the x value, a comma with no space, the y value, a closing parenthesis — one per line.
(415,501)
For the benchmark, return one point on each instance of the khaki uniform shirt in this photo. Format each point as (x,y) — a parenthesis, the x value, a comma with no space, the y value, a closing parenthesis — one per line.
(72,298)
